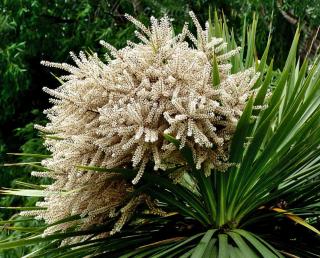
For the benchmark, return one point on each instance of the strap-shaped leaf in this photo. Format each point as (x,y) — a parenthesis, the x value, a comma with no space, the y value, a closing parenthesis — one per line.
(24,192)
(178,206)
(181,192)
(251,44)
(23,208)
(237,144)
(215,72)
(259,246)
(297,219)
(217,25)
(185,151)
(32,155)
(181,244)
(223,246)
(204,242)
(239,137)
(264,57)
(243,245)
(187,254)
(212,249)
(284,75)
(259,100)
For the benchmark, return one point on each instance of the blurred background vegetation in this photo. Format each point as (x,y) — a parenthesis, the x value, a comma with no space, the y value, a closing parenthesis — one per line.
(35,30)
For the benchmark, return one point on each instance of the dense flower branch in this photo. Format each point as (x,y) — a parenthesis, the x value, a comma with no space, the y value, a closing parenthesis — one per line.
(115,115)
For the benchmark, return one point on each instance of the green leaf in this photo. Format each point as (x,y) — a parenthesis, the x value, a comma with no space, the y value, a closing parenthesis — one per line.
(171,139)
(187,254)
(223,246)
(32,186)
(178,206)
(208,194)
(251,44)
(181,192)
(215,72)
(9,222)
(238,139)
(204,242)
(185,152)
(263,61)
(24,192)
(129,173)
(217,25)
(21,164)
(260,247)
(22,208)
(181,244)
(245,249)
(33,155)
(211,250)
(259,100)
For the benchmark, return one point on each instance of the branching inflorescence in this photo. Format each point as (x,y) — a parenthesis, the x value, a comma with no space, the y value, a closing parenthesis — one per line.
(116,114)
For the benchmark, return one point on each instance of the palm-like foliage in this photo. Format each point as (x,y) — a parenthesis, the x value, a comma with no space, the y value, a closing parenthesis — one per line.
(265,206)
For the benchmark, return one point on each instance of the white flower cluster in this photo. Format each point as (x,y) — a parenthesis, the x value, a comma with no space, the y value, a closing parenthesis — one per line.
(116,114)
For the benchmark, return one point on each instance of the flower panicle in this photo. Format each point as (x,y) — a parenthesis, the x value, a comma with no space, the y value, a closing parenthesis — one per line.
(115,115)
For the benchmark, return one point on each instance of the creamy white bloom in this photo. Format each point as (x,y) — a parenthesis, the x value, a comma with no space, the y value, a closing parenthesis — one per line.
(116,114)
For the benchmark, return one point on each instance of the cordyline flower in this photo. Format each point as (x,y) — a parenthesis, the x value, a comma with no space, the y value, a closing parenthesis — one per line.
(116,114)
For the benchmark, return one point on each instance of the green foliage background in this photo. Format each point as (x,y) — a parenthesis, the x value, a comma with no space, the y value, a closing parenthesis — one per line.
(35,30)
